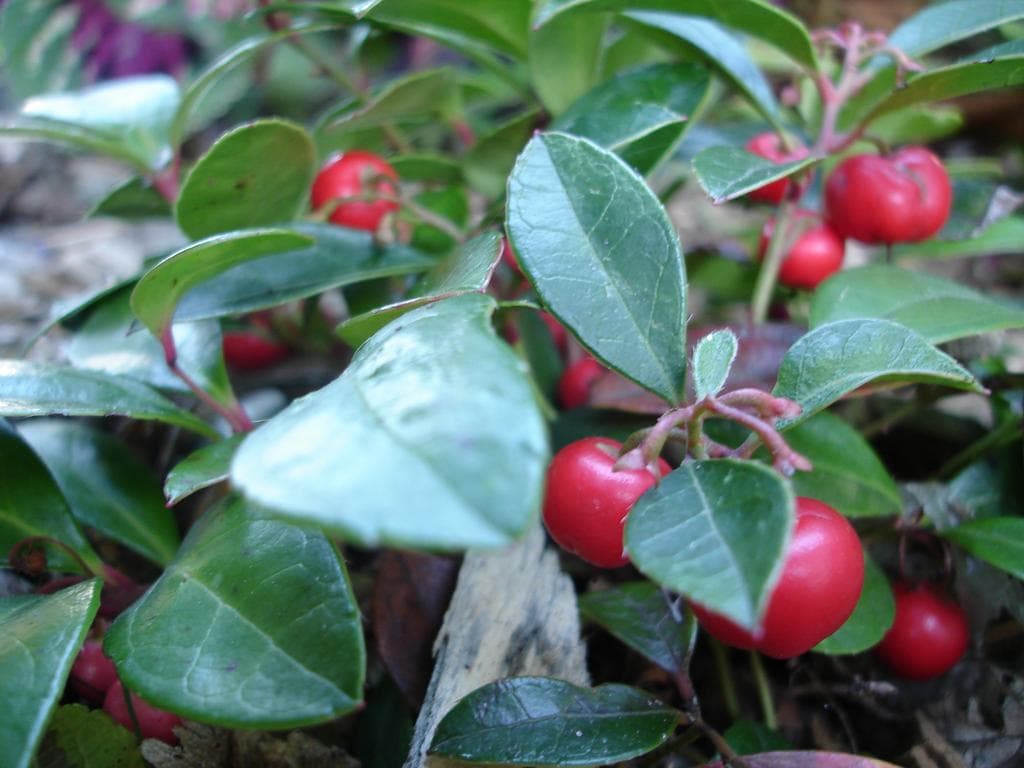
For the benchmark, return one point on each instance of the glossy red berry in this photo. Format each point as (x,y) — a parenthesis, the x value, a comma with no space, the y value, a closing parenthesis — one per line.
(586,502)
(821,581)
(928,636)
(93,673)
(769,145)
(816,254)
(252,351)
(899,198)
(576,381)
(351,174)
(153,723)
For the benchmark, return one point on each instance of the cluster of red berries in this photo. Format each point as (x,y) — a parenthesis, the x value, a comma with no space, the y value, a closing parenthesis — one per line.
(903,197)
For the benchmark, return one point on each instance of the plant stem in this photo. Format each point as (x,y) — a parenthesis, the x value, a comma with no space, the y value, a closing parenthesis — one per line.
(232,413)
(764,691)
(769,272)
(728,686)
(1006,432)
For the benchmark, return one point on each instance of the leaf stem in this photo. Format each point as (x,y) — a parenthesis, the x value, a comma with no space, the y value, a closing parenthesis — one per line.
(764,691)
(768,275)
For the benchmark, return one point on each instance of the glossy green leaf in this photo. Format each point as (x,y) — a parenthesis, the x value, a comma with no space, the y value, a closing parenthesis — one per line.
(871,617)
(639,614)
(543,721)
(39,637)
(565,58)
(714,531)
(338,256)
(79,737)
(938,309)
(640,114)
(107,486)
(42,389)
(158,292)
(724,52)
(847,474)
(202,468)
(256,175)
(754,17)
(712,360)
(996,540)
(1002,236)
(602,254)
(31,504)
(836,358)
(253,625)
(79,137)
(468,269)
(134,199)
(726,173)
(488,163)
(940,24)
(413,444)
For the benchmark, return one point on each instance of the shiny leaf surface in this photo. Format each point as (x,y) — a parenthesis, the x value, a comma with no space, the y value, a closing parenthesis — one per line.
(202,468)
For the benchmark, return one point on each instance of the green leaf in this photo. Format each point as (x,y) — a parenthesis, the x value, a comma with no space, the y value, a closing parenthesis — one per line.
(726,173)
(712,360)
(639,614)
(716,532)
(870,620)
(413,444)
(938,309)
(79,737)
(847,474)
(754,17)
(134,199)
(565,58)
(836,358)
(42,389)
(1002,236)
(468,269)
(338,256)
(158,292)
(256,175)
(488,163)
(640,114)
(723,51)
(254,625)
(996,540)
(39,638)
(426,167)
(31,504)
(748,737)
(940,24)
(89,139)
(202,468)
(107,486)
(538,720)
(605,259)
(35,38)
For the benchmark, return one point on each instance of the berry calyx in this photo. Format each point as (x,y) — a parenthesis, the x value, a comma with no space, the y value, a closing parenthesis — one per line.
(576,381)
(586,501)
(153,723)
(769,145)
(928,636)
(93,673)
(349,175)
(820,584)
(816,254)
(251,350)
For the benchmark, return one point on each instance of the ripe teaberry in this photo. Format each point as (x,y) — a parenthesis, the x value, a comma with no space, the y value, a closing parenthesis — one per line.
(353,174)
(769,145)
(928,636)
(153,723)
(815,255)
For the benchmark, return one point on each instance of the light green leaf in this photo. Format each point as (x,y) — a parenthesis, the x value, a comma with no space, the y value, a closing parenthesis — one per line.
(712,360)
(134,199)
(202,468)
(565,58)
(996,540)
(1002,236)
(487,164)
(79,737)
(940,24)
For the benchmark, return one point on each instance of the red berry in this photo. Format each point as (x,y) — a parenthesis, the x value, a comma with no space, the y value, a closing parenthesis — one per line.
(900,198)
(769,145)
(349,175)
(252,351)
(153,723)
(586,501)
(928,636)
(576,381)
(816,254)
(819,587)
(93,673)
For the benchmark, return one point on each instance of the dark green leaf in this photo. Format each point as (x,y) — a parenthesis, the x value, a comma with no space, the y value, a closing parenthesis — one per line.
(714,531)
(712,359)
(538,720)
(256,175)
(565,59)
(202,468)
(870,620)
(639,114)
(423,167)
(40,389)
(639,615)
(413,444)
(603,256)
(31,504)
(135,199)
(726,173)
(836,358)
(486,166)
(747,737)
(106,485)
(79,737)
(39,637)
(996,540)
(253,625)
(1002,236)
(940,24)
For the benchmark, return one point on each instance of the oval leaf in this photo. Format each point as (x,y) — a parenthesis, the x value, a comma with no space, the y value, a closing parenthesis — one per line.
(716,532)
(539,720)
(996,540)
(726,173)
(870,620)
(938,25)
(80,737)
(836,358)
(256,175)
(200,469)
(565,59)
(712,360)
(413,444)
(39,638)
(603,256)
(253,625)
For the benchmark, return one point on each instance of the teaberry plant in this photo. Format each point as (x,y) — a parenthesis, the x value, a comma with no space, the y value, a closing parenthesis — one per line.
(464,218)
